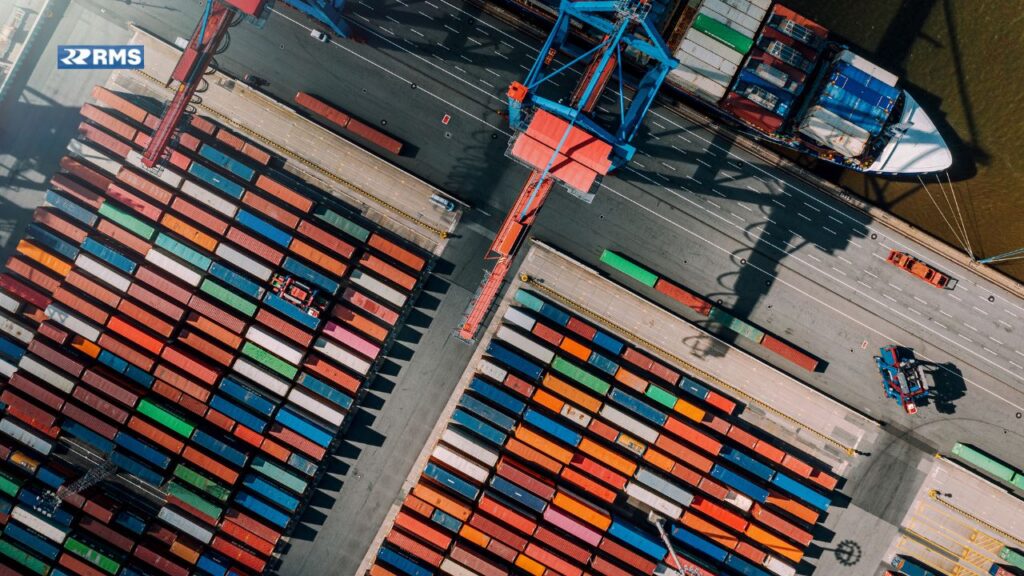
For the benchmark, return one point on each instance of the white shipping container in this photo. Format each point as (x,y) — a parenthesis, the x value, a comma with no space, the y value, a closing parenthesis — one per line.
(208,198)
(492,370)
(453,569)
(739,500)
(16,330)
(263,338)
(866,66)
(187,526)
(628,424)
(173,267)
(691,81)
(661,505)
(46,374)
(61,316)
(749,8)
(664,487)
(576,415)
(102,272)
(525,345)
(720,77)
(27,438)
(731,17)
(7,369)
(762,5)
(9,303)
(41,526)
(708,43)
(316,407)
(776,566)
(468,446)
(459,463)
(708,57)
(378,288)
(229,253)
(519,318)
(163,174)
(342,356)
(94,157)
(252,372)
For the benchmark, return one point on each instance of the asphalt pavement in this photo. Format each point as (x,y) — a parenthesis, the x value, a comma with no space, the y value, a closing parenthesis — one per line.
(692,206)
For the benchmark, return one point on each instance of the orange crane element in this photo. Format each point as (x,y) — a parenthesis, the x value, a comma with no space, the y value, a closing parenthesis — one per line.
(218,16)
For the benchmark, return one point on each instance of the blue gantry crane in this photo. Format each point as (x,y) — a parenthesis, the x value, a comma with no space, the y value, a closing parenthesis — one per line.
(902,377)
(561,139)
(326,11)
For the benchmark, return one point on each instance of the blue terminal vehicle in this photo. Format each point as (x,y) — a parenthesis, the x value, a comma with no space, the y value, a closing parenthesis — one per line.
(902,377)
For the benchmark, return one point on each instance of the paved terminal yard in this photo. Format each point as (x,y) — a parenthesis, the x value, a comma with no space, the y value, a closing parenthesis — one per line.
(800,279)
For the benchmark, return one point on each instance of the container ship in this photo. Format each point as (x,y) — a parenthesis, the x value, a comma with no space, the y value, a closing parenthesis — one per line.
(778,77)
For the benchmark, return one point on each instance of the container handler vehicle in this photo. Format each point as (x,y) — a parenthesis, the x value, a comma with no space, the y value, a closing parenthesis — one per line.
(923,271)
(903,378)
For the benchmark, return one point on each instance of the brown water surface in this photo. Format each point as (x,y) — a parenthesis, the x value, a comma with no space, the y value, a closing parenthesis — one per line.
(963,60)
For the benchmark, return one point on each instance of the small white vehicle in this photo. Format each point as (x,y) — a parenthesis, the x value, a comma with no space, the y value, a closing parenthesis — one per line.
(318,35)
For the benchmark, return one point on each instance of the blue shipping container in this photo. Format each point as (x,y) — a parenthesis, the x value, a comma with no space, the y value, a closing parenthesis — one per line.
(693,388)
(451,481)
(743,567)
(518,495)
(302,464)
(47,476)
(237,281)
(739,483)
(401,563)
(263,228)
(603,364)
(10,350)
(747,463)
(304,427)
(250,397)
(492,415)
(609,343)
(183,251)
(554,314)
(44,237)
(209,565)
(638,540)
(497,396)
(446,521)
(326,391)
(272,493)
(222,449)
(237,413)
(109,255)
(70,208)
(305,272)
(219,182)
(799,490)
(514,361)
(14,531)
(638,407)
(262,509)
(132,466)
(227,162)
(130,522)
(699,544)
(474,424)
(290,310)
(553,428)
(142,450)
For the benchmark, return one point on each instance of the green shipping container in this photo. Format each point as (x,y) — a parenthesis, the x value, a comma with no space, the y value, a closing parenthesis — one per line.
(529,300)
(279,475)
(202,483)
(133,224)
(1012,556)
(172,422)
(9,484)
(269,360)
(183,251)
(1018,480)
(228,297)
(736,325)
(344,224)
(194,500)
(983,462)
(638,273)
(723,33)
(21,557)
(104,562)
(663,397)
(580,376)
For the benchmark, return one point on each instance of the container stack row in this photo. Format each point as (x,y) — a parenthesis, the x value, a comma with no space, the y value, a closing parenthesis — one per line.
(194,339)
(703,307)
(564,442)
(988,464)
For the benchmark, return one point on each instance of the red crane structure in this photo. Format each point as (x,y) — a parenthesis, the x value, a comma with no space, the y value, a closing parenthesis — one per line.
(218,16)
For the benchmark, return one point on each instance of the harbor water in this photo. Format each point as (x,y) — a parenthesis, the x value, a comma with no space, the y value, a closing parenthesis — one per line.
(962,60)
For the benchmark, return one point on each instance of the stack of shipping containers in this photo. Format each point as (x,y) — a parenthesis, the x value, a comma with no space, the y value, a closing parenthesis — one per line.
(567,438)
(205,330)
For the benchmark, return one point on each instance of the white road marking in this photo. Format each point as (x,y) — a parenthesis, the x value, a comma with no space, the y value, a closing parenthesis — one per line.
(889,297)
(745,207)
(965,338)
(813,257)
(971,327)
(482,81)
(844,259)
(913,310)
(425,15)
(777,202)
(493,72)
(980,310)
(944,313)
(939,324)
(712,202)
(669,166)
(996,341)
(442,45)
(474,40)
(815,208)
(831,217)
(1015,365)
(895,287)
(735,215)
(955,297)
(704,162)
(864,284)
(1004,323)
(451,29)
(920,300)
(1010,313)
(838,270)
(801,214)
(870,273)
(392,18)
(987,349)
(417,32)
(827,229)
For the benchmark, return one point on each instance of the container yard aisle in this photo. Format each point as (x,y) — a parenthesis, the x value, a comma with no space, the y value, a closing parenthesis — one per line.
(338,165)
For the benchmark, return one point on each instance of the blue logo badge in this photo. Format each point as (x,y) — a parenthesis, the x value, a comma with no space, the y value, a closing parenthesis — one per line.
(126,57)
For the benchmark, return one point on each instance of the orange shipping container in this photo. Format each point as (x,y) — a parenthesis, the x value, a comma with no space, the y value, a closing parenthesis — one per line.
(553,561)
(475,536)
(388,271)
(548,401)
(441,502)
(684,453)
(711,531)
(530,566)
(689,410)
(211,328)
(774,543)
(307,251)
(145,317)
(631,380)
(507,515)
(530,454)
(422,530)
(571,393)
(189,232)
(414,548)
(580,509)
(43,257)
(396,252)
(184,551)
(591,487)
(418,506)
(541,443)
(793,507)
(606,456)
(691,435)
(284,193)
(33,274)
(720,514)
(575,348)
(658,459)
(270,210)
(359,322)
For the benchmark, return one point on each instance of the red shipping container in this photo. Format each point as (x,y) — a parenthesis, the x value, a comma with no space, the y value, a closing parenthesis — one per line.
(665,373)
(248,538)
(765,448)
(125,351)
(637,358)
(283,327)
(209,465)
(136,181)
(247,435)
(518,385)
(80,306)
(162,285)
(285,194)
(824,479)
(110,387)
(413,548)
(626,555)
(514,473)
(721,402)
(216,331)
(142,140)
(189,510)
(498,532)
(34,390)
(106,534)
(217,313)
(145,318)
(99,404)
(155,301)
(230,139)
(316,256)
(135,335)
(316,364)
(368,305)
(476,563)
(686,475)
(177,159)
(252,525)
(118,103)
(684,453)
(206,347)
(418,506)
(683,296)
(161,533)
(56,358)
(713,489)
(41,416)
(189,142)
(93,289)
(97,115)
(86,419)
(608,568)
(797,465)
(505,514)
(719,514)
(32,273)
(167,391)
(547,334)
(533,456)
(53,220)
(781,525)
(562,544)
(602,430)
(156,435)
(581,328)
(134,202)
(599,471)
(750,553)
(23,292)
(123,237)
(374,136)
(742,437)
(589,486)
(100,507)
(387,271)
(199,215)
(219,420)
(791,353)
(53,332)
(182,383)
(255,247)
(296,441)
(720,425)
(552,561)
(422,530)
(273,449)
(389,248)
(78,567)
(326,239)
(104,140)
(501,550)
(146,554)
(257,154)
(270,210)
(79,193)
(88,175)
(203,125)
(691,435)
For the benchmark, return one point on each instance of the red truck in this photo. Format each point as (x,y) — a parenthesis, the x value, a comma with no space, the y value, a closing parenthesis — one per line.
(918,268)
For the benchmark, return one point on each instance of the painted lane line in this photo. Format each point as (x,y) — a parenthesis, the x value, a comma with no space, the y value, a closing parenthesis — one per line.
(431,4)
(815,208)
(460,69)
(980,310)
(425,15)
(1004,323)
(987,349)
(801,214)
(392,18)
(955,297)
(712,202)
(1015,365)
(870,273)
(417,32)
(895,287)
(914,310)
(965,338)
(815,258)
(844,260)
(466,58)
(889,297)
(939,324)
(1010,313)
(856,244)
(946,314)
(745,207)
(920,300)
(971,327)
(703,162)
(386,30)
(831,217)
(474,41)
(451,29)
(838,270)
(864,284)
(1019,353)
(482,81)
(367,20)
(992,338)
(827,229)
(777,202)
(658,126)
(669,166)
(442,45)
(493,72)
(735,215)
(678,149)
(507,44)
